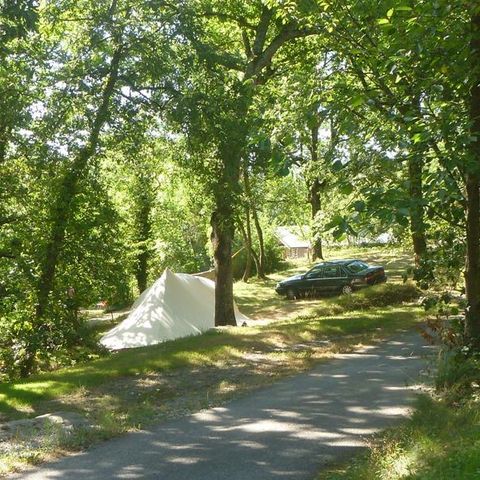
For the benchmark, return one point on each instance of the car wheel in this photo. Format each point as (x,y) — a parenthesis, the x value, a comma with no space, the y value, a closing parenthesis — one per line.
(347,290)
(291,294)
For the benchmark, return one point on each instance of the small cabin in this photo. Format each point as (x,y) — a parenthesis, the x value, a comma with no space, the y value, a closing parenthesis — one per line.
(293,241)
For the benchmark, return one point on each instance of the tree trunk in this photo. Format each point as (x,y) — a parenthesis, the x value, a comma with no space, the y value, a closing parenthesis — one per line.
(226,192)
(248,245)
(417,225)
(260,260)
(221,237)
(4,136)
(315,195)
(143,197)
(472,270)
(61,212)
(143,230)
(316,206)
(415,171)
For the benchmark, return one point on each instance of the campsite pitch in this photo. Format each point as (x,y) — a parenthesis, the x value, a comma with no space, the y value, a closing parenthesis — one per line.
(288,430)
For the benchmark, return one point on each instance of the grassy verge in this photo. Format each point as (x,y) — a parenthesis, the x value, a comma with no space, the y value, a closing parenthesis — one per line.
(214,348)
(439,442)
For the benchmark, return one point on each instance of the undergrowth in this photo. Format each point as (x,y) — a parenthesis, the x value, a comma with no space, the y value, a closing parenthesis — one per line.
(377,296)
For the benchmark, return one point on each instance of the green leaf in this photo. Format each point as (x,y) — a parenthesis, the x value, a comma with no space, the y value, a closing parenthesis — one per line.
(346,189)
(337,166)
(390,13)
(383,21)
(359,205)
(417,138)
(357,101)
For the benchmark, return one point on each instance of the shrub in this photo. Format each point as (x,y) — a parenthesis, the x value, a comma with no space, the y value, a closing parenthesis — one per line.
(458,375)
(380,296)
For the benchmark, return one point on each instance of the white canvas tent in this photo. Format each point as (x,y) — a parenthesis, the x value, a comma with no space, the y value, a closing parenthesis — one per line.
(176,305)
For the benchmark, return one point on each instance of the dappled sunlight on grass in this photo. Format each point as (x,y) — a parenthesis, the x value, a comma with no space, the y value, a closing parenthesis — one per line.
(133,388)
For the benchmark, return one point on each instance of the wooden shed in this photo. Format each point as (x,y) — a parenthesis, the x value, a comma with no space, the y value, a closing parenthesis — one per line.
(294,241)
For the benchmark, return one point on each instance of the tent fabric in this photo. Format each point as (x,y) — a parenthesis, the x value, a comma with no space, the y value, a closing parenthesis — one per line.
(176,305)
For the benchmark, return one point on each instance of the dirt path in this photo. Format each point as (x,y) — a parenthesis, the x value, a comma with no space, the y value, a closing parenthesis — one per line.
(288,430)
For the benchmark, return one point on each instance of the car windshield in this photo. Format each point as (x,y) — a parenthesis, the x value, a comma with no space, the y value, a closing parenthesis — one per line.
(357,266)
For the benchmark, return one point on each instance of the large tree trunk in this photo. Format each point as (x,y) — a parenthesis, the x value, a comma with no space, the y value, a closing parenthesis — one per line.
(61,212)
(417,224)
(472,270)
(222,220)
(222,237)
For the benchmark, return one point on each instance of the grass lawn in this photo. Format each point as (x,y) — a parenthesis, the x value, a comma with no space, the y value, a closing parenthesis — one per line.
(133,388)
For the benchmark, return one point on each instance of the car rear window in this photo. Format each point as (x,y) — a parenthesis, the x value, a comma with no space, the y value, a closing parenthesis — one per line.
(357,266)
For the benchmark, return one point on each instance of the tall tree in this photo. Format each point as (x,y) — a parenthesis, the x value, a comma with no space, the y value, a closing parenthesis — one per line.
(260,32)
(61,210)
(472,180)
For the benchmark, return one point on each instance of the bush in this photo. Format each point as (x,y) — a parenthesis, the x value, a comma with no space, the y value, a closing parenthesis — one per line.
(63,339)
(458,375)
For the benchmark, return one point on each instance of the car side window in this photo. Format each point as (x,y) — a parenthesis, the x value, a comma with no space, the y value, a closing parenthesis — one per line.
(316,273)
(331,272)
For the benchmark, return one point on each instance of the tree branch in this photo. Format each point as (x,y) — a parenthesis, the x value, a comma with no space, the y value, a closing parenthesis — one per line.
(288,32)
(261,31)
(246,44)
(7,220)
(212,55)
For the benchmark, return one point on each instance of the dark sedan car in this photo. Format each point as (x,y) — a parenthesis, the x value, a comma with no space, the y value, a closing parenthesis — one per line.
(335,276)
